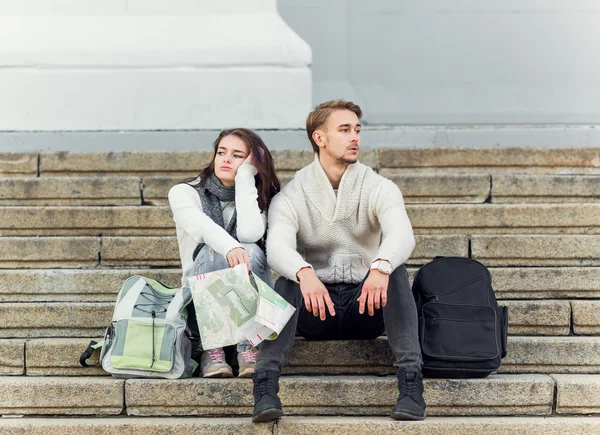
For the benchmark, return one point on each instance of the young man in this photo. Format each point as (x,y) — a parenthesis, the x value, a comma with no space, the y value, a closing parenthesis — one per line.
(338,234)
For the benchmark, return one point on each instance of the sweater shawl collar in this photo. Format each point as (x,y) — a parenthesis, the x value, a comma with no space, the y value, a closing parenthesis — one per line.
(319,191)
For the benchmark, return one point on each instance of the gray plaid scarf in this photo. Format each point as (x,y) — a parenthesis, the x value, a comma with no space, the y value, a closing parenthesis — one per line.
(212,192)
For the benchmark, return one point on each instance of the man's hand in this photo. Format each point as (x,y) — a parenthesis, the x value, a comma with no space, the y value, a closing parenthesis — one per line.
(238,256)
(374,292)
(315,293)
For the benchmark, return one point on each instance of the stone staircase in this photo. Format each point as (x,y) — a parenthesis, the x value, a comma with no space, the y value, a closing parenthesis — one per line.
(74,226)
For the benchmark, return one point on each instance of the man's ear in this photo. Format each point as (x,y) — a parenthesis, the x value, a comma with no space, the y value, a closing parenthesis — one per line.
(319,138)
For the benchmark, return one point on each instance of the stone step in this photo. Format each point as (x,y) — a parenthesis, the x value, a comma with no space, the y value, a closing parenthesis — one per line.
(545,282)
(505,218)
(514,159)
(316,395)
(176,163)
(163,251)
(91,220)
(577,394)
(490,160)
(343,395)
(54,319)
(49,252)
(453,188)
(123,163)
(153,426)
(102,285)
(426,219)
(18,164)
(12,357)
(156,188)
(127,190)
(302,426)
(70,191)
(81,285)
(525,355)
(441,188)
(22,395)
(552,355)
(545,188)
(416,188)
(439,426)
(536,250)
(60,356)
(140,251)
(586,317)
(538,317)
(85,319)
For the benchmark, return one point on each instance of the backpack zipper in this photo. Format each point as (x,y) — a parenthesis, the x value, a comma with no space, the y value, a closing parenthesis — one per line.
(454,290)
(153,323)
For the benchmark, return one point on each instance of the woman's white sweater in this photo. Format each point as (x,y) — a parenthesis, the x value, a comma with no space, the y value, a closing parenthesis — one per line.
(193,226)
(339,236)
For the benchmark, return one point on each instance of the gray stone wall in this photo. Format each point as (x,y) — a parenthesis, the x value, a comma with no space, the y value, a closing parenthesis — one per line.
(468,62)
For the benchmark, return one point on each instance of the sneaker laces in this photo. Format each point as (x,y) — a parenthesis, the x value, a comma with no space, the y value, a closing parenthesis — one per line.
(250,355)
(216,355)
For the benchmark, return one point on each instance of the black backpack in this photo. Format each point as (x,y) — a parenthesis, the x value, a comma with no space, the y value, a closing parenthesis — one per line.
(462,330)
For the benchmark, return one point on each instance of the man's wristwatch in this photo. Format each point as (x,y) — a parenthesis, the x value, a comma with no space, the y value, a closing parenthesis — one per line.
(383,266)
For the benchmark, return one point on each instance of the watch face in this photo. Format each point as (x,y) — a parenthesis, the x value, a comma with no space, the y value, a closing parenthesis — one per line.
(385,267)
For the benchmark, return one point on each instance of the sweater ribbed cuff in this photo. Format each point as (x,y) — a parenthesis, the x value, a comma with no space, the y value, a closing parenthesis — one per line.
(292,272)
(246,168)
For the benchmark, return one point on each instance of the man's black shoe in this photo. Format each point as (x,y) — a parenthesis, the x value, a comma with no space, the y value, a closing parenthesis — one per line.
(411,404)
(267,405)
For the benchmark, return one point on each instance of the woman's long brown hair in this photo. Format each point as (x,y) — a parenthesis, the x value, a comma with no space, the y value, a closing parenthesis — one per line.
(267,183)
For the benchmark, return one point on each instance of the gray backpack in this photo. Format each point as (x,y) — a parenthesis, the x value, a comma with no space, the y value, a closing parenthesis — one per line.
(147,335)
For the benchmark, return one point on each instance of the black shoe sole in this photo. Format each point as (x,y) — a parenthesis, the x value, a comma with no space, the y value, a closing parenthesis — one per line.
(267,415)
(405,416)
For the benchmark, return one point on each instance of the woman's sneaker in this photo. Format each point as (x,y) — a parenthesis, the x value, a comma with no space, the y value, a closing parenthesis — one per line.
(246,362)
(213,364)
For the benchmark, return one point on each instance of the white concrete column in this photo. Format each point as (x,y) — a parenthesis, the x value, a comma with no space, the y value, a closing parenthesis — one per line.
(150,65)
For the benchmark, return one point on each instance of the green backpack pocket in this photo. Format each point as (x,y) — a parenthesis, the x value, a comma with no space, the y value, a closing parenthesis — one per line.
(143,345)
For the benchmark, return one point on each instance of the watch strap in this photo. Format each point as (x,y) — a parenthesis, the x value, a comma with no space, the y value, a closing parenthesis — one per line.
(376,265)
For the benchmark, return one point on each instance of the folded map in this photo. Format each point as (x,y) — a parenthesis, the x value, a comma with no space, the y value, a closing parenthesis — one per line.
(232,306)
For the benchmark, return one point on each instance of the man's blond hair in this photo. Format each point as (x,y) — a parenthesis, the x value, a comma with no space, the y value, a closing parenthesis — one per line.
(320,114)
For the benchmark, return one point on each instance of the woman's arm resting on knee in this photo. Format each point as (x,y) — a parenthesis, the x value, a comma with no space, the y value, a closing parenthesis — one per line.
(187,212)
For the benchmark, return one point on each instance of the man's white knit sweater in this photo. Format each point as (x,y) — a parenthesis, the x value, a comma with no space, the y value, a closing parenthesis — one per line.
(339,236)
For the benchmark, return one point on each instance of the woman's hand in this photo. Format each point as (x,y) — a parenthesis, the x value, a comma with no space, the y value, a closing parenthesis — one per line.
(238,256)
(250,160)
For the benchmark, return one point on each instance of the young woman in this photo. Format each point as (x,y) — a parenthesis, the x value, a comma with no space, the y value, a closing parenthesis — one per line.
(220,217)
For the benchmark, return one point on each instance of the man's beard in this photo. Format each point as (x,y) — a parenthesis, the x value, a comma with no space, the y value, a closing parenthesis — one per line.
(343,160)
(347,160)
